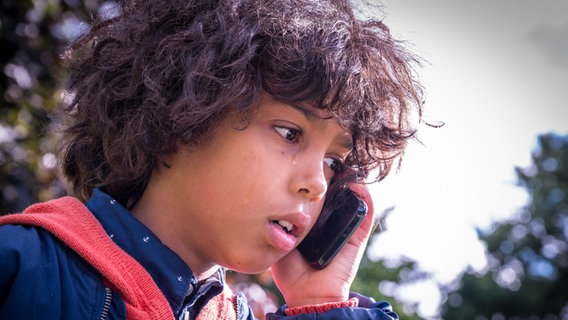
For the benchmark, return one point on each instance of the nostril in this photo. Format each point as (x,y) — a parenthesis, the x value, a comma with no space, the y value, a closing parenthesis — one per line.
(312,195)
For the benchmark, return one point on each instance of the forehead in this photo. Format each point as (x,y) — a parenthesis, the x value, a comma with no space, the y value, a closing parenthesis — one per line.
(311,112)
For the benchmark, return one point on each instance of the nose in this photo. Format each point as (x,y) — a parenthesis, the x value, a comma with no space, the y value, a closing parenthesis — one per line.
(309,179)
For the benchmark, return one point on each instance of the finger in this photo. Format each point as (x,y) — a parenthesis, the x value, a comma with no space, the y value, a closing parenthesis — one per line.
(363,192)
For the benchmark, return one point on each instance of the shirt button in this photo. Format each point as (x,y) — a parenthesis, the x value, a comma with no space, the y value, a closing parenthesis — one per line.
(192,286)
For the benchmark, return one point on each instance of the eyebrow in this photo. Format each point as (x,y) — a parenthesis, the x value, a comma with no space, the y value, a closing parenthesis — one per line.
(346,140)
(310,115)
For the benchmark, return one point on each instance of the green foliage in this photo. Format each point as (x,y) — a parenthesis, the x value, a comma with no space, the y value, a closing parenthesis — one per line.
(527,275)
(373,276)
(32,36)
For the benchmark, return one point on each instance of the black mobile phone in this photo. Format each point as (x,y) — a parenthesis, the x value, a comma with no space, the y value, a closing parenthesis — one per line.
(341,215)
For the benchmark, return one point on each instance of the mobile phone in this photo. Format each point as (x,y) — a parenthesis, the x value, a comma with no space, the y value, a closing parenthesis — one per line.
(341,215)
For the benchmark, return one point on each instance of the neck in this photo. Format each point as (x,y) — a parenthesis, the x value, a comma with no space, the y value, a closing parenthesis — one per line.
(170,234)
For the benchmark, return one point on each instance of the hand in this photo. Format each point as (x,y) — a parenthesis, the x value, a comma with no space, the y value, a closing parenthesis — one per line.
(301,284)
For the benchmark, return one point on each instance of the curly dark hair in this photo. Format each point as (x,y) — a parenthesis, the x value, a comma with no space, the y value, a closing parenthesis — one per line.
(165,72)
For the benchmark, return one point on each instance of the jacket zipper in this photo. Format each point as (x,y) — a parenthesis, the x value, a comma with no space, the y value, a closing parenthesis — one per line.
(106,306)
(237,306)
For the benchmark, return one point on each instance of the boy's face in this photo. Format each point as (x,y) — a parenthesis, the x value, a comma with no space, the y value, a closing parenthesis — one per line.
(247,197)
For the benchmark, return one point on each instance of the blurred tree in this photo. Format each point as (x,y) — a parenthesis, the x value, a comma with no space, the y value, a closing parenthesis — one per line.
(376,280)
(527,273)
(32,33)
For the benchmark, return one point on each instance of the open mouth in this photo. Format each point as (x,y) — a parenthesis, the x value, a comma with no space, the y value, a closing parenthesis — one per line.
(288,227)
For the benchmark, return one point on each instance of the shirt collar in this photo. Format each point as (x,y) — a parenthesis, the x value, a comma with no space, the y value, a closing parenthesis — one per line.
(174,278)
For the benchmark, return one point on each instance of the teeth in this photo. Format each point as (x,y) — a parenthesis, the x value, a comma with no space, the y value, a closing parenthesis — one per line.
(287,226)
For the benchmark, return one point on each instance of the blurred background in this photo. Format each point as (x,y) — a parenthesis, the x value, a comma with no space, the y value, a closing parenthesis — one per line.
(475,222)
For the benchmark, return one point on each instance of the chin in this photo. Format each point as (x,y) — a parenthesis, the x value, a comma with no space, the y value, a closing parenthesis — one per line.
(250,267)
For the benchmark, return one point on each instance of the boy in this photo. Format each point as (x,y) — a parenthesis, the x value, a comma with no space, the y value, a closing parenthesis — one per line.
(203,136)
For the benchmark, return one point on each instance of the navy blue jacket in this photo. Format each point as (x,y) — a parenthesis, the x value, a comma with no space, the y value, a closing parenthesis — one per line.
(40,277)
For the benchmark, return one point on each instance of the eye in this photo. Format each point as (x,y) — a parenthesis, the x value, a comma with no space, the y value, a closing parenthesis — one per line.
(290,134)
(336,165)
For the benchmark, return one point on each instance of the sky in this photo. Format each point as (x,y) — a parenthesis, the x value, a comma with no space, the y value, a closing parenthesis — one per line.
(496,73)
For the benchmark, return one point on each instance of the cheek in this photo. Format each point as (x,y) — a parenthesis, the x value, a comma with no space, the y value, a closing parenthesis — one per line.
(233,182)
(314,211)
(243,176)
(258,171)
(207,192)
(262,180)
(316,208)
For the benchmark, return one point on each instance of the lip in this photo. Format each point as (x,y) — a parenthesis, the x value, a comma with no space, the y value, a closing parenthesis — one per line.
(299,220)
(287,241)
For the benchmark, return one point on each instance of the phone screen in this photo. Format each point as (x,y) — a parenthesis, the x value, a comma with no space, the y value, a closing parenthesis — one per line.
(341,215)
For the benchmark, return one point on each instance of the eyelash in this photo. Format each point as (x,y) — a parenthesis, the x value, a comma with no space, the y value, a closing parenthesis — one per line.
(336,166)
(288,131)
(293,135)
